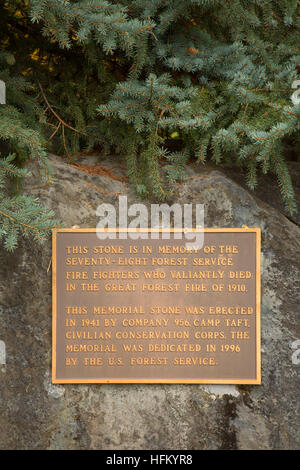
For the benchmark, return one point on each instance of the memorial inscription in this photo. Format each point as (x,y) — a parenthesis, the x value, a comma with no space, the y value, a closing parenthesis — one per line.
(153,311)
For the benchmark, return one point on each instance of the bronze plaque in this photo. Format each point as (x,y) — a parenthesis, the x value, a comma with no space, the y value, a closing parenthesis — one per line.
(154,311)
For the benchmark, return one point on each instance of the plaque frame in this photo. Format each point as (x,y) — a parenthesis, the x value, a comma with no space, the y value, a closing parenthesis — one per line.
(245,229)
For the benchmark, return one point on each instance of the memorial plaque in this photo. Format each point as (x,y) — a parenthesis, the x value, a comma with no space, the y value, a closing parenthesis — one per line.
(154,311)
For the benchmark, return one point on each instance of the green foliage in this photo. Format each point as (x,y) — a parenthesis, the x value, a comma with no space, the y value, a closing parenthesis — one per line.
(129,75)
(151,107)
(20,214)
(227,91)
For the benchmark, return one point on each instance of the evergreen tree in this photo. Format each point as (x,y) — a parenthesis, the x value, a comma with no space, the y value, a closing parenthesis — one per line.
(19,130)
(232,64)
(19,213)
(157,81)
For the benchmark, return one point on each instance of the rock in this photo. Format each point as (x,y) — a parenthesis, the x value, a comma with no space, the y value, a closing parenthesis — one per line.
(35,414)
(267,187)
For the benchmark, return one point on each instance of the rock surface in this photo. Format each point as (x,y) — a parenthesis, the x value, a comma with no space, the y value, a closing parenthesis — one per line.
(35,414)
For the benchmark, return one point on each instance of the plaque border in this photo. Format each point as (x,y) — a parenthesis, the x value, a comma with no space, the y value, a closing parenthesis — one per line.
(256,381)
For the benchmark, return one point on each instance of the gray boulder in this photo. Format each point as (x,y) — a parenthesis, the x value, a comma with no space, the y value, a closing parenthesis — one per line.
(35,414)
